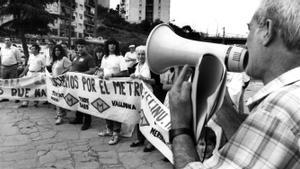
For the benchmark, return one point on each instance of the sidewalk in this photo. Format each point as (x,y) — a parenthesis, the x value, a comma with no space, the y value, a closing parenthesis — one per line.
(29,139)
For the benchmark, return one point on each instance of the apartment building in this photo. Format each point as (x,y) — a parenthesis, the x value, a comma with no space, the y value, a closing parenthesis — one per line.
(135,11)
(81,13)
(104,3)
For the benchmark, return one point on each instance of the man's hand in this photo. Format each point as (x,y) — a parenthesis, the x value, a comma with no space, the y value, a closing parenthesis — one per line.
(180,101)
(106,77)
(132,76)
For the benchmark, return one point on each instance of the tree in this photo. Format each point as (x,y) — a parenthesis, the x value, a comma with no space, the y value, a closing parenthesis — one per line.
(29,17)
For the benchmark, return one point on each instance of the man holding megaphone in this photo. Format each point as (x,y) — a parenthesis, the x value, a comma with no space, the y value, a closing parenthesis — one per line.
(270,136)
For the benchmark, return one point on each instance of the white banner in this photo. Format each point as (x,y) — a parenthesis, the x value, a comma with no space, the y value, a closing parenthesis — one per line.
(116,99)
(26,88)
(155,123)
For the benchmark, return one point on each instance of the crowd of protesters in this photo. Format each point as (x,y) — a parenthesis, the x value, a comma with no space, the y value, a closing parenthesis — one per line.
(106,62)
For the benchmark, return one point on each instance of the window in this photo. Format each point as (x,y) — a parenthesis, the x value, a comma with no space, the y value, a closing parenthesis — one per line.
(140,18)
(81,6)
(140,12)
(80,16)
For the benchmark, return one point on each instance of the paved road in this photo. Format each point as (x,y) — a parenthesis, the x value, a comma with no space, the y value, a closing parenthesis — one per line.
(29,139)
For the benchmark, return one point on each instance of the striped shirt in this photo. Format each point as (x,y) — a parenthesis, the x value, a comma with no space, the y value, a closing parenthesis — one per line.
(270,136)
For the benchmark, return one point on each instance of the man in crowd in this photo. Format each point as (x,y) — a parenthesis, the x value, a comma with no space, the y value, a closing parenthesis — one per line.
(35,65)
(83,63)
(10,59)
(131,58)
(270,136)
(69,53)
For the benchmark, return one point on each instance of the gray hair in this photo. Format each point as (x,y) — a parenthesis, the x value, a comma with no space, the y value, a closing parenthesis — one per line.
(286,17)
(140,48)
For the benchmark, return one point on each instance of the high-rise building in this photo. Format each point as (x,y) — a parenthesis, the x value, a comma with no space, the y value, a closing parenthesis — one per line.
(104,3)
(81,13)
(135,11)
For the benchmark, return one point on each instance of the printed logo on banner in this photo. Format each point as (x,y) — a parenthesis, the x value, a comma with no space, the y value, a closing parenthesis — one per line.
(100,105)
(70,100)
(144,121)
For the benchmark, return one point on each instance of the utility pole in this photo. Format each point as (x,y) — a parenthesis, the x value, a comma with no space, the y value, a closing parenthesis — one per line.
(70,24)
(95,17)
(223,35)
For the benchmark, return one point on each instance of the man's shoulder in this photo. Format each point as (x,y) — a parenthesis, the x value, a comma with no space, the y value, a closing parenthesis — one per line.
(285,104)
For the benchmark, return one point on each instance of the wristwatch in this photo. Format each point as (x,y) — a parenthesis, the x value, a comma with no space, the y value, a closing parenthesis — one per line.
(176,132)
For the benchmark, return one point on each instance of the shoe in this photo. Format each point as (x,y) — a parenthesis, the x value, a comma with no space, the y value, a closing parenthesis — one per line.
(105,133)
(137,144)
(114,139)
(36,104)
(4,100)
(23,105)
(58,121)
(76,121)
(165,160)
(149,148)
(85,127)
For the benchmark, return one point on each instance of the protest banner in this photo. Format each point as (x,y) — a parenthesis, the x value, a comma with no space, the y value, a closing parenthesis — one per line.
(155,123)
(116,99)
(31,88)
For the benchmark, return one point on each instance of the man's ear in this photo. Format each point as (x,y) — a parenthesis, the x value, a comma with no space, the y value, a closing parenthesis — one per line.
(269,32)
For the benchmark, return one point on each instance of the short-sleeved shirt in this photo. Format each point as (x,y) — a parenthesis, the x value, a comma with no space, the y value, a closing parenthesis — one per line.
(270,136)
(113,64)
(36,62)
(128,57)
(10,56)
(60,65)
(143,70)
(82,63)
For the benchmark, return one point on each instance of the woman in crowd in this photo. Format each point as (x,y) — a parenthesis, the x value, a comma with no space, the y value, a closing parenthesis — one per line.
(61,64)
(113,65)
(142,72)
(98,55)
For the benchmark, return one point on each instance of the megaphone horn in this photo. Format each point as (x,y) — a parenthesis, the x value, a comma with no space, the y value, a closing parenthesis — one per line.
(166,49)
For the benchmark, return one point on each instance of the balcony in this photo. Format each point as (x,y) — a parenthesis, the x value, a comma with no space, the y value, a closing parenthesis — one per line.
(69,3)
(66,26)
(90,3)
(89,32)
(87,22)
(86,13)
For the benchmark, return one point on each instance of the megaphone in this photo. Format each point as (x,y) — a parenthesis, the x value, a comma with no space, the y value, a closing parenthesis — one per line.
(166,49)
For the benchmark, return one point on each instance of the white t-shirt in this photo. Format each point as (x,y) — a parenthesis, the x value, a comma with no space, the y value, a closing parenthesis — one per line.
(144,71)
(113,64)
(10,56)
(128,57)
(48,59)
(60,65)
(36,62)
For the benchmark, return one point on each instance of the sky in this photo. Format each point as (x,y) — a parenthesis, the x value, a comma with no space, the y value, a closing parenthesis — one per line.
(211,16)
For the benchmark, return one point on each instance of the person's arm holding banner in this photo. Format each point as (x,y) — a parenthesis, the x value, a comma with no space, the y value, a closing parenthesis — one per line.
(145,79)
(24,71)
